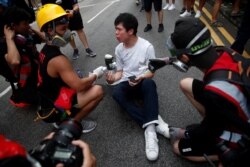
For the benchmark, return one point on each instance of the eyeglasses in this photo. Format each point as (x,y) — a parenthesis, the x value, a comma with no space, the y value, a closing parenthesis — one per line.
(61,21)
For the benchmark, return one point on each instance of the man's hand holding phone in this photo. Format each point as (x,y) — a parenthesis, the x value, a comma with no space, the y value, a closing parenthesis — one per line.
(133,80)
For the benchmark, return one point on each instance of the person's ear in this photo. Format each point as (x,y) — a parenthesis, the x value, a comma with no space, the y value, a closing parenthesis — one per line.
(131,31)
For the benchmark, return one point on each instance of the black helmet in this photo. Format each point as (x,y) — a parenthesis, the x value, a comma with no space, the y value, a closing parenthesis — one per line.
(190,37)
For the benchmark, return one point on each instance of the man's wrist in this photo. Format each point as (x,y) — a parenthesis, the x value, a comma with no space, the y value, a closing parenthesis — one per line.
(9,39)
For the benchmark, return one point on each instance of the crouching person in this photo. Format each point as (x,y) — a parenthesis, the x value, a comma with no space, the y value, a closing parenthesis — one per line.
(63,94)
(19,56)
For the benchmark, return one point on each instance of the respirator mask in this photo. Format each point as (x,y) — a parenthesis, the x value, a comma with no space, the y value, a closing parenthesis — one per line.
(63,40)
(191,50)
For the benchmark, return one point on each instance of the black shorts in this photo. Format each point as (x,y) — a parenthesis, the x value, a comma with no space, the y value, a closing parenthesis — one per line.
(74,109)
(157,5)
(75,23)
(198,91)
(189,147)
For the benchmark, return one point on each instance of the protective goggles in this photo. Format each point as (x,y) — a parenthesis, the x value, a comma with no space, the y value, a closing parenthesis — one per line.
(61,21)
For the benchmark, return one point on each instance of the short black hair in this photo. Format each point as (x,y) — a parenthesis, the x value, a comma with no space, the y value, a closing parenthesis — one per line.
(15,15)
(128,21)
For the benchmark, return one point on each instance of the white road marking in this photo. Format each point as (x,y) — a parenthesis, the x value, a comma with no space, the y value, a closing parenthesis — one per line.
(5,91)
(85,6)
(102,10)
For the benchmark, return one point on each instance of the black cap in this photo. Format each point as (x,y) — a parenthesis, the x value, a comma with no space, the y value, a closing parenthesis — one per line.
(186,30)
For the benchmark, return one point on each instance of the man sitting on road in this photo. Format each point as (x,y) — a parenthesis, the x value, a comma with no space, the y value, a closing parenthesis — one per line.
(60,86)
(132,54)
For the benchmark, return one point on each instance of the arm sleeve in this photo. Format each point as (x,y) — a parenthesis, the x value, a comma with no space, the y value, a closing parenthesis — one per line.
(150,53)
(119,65)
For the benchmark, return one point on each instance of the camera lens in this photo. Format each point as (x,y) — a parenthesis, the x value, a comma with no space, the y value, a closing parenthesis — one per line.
(68,130)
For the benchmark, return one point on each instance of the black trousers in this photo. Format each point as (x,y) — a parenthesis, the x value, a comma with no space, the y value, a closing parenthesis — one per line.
(243,33)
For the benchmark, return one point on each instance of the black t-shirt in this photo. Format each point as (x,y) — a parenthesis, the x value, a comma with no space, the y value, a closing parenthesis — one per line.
(49,87)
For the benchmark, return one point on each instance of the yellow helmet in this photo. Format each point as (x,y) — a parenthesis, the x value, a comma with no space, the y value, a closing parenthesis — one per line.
(47,13)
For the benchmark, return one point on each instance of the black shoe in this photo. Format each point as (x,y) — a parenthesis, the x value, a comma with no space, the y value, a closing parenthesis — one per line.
(182,10)
(75,54)
(147,28)
(90,52)
(160,28)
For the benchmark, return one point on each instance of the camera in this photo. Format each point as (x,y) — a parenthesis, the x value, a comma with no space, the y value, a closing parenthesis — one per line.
(235,157)
(59,148)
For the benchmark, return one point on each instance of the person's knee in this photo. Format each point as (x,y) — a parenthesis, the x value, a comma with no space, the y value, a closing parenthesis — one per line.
(185,84)
(175,147)
(98,91)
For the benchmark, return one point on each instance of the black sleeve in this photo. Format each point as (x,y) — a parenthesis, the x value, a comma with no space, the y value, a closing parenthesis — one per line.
(220,114)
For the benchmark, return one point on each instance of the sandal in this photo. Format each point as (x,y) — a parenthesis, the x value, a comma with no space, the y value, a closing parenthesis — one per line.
(216,24)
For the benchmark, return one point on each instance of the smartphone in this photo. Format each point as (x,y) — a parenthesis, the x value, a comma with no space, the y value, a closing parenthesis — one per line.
(132,78)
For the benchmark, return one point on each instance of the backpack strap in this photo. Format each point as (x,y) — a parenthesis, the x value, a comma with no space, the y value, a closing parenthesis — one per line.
(224,75)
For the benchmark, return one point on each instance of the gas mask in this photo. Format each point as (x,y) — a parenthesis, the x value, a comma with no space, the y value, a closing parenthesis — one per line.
(191,50)
(179,65)
(62,41)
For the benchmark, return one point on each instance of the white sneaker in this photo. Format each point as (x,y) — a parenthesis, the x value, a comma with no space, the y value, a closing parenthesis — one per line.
(88,125)
(152,148)
(171,7)
(198,14)
(165,7)
(162,128)
(185,14)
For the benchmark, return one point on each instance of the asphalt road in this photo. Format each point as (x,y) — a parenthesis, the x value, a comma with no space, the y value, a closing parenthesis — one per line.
(117,140)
